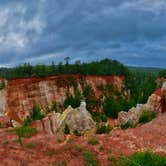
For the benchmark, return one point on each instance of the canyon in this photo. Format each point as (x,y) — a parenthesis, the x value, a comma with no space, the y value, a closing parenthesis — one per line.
(20,95)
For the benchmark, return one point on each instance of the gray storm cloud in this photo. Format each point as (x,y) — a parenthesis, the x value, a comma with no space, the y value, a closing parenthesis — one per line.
(132,31)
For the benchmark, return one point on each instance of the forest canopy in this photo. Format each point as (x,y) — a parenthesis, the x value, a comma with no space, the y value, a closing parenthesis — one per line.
(103,67)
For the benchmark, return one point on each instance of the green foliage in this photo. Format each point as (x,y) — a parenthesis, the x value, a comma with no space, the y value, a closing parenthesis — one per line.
(90,159)
(162,73)
(90,98)
(76,133)
(110,107)
(126,125)
(103,118)
(147,116)
(141,86)
(74,101)
(36,113)
(93,141)
(27,121)
(103,67)
(66,129)
(141,159)
(2,85)
(24,131)
(103,129)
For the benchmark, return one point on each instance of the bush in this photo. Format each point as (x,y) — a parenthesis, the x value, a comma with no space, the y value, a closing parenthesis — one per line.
(66,129)
(76,133)
(147,116)
(36,113)
(103,118)
(110,107)
(2,85)
(126,125)
(24,131)
(93,141)
(90,159)
(141,159)
(27,121)
(103,129)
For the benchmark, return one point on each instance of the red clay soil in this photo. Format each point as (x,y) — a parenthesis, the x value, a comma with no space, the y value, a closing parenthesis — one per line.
(38,79)
(49,151)
(22,94)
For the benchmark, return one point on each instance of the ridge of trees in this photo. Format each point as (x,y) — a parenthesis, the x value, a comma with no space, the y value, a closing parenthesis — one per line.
(162,73)
(103,67)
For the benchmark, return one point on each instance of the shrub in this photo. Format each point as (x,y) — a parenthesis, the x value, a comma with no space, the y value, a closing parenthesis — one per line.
(93,141)
(103,118)
(76,133)
(110,107)
(66,129)
(103,129)
(2,85)
(147,116)
(27,121)
(90,159)
(141,159)
(126,125)
(36,113)
(24,131)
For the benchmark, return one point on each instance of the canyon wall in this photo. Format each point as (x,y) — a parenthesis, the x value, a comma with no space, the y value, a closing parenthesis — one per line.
(20,95)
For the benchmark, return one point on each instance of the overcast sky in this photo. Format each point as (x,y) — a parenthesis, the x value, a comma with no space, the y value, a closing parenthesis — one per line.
(42,31)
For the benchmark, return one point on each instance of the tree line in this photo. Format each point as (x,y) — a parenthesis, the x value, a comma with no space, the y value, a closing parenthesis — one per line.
(103,67)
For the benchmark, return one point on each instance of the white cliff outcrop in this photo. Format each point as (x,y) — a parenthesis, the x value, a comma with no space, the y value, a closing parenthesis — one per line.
(77,119)
(133,115)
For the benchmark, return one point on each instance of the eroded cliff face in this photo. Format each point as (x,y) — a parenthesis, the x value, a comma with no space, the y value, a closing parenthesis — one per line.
(20,95)
(153,104)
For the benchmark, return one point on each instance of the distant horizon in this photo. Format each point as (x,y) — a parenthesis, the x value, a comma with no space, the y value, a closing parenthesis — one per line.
(130,31)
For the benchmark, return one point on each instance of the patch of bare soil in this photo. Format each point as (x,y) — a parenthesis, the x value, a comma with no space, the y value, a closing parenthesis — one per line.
(49,150)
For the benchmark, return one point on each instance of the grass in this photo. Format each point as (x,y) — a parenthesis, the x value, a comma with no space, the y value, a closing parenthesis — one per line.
(93,141)
(90,159)
(141,159)
(147,116)
(31,146)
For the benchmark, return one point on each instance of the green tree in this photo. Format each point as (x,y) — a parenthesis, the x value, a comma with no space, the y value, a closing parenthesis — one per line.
(110,107)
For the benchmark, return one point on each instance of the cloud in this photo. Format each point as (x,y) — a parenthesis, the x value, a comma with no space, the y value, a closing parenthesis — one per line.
(132,31)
